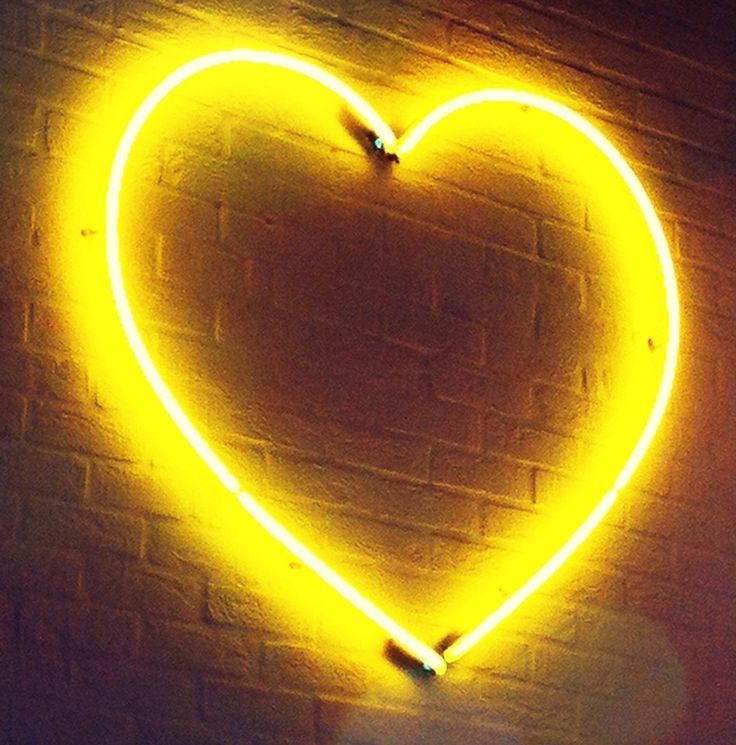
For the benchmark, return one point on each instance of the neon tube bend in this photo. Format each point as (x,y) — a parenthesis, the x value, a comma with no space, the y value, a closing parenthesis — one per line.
(500,95)
(403,638)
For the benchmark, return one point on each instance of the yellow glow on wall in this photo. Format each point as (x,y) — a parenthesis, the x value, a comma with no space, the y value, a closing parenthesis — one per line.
(400,147)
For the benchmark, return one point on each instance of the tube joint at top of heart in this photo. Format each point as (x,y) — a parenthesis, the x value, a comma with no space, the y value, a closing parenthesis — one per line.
(379,146)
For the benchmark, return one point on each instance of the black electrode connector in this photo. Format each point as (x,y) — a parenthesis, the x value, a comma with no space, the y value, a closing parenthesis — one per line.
(378,146)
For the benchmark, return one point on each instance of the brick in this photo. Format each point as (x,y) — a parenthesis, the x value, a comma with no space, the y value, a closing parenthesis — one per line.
(4,717)
(257,711)
(511,288)
(244,234)
(23,264)
(342,237)
(453,382)
(386,451)
(84,632)
(633,719)
(51,328)
(64,427)
(8,514)
(564,335)
(28,470)
(75,44)
(624,634)
(318,294)
(466,214)
(141,18)
(37,719)
(248,607)
(12,414)
(477,47)
(461,285)
(202,176)
(686,123)
(373,539)
(171,213)
(190,549)
(70,526)
(184,264)
(163,302)
(177,733)
(13,315)
(503,436)
(303,669)
(98,632)
(7,622)
(358,46)
(43,669)
(459,555)
(514,526)
(15,371)
(696,208)
(135,489)
(487,474)
(560,410)
(239,326)
(152,592)
(218,650)
(416,327)
(589,586)
(726,296)
(364,723)
(698,568)
(404,21)
(22,122)
(94,10)
(472,733)
(651,27)
(547,198)
(59,130)
(574,248)
(595,675)
(128,687)
(702,527)
(657,517)
(633,552)
(49,81)
(371,494)
(32,569)
(408,411)
(705,171)
(408,259)
(467,340)
(61,379)
(43,628)
(9,668)
(20,25)
(707,247)
(513,705)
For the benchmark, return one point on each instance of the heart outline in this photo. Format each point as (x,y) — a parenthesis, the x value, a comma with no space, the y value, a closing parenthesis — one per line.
(397,147)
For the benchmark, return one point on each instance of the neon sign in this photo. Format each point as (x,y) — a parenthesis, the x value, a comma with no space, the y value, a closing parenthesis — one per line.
(394,147)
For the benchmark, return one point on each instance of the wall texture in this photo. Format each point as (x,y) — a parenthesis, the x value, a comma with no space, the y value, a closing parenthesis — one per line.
(422,368)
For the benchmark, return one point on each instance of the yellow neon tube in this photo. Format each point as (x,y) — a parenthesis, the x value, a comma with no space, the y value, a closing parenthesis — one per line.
(407,641)
(402,147)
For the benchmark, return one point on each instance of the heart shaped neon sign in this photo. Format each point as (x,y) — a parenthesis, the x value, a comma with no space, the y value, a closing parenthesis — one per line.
(386,140)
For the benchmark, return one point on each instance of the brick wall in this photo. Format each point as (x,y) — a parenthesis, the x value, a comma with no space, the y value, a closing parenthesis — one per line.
(416,366)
